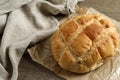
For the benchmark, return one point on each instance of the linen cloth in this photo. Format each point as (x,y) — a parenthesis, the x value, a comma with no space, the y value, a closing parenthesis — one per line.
(23,26)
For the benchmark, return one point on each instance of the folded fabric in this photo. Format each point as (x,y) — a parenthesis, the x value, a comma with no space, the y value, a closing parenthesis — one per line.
(26,26)
(10,5)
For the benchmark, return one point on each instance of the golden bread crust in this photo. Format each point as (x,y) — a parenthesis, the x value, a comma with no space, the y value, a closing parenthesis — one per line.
(84,42)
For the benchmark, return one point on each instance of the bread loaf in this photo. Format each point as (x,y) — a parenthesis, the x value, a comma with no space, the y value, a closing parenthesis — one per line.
(84,42)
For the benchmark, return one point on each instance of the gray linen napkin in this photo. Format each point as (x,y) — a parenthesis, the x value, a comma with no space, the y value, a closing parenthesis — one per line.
(10,5)
(25,26)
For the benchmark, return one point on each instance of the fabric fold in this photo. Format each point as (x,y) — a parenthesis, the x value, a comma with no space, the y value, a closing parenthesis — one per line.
(26,26)
(10,5)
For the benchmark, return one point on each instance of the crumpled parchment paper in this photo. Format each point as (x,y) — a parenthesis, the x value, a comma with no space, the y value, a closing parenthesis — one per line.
(41,53)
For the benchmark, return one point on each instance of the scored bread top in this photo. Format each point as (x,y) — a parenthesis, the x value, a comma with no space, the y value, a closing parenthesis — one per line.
(84,42)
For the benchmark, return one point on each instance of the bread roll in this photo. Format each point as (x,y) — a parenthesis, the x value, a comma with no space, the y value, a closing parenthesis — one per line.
(84,42)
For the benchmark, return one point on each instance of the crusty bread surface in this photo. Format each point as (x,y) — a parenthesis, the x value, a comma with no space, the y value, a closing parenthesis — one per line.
(84,42)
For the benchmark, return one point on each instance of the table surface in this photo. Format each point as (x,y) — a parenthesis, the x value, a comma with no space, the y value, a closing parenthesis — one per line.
(29,70)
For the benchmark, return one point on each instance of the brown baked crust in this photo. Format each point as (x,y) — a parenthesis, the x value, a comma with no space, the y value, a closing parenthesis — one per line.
(84,42)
